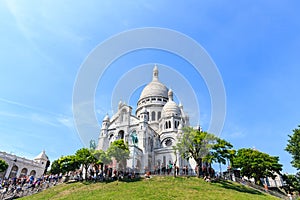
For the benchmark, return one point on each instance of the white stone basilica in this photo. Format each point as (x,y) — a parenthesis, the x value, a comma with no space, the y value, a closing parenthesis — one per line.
(157,125)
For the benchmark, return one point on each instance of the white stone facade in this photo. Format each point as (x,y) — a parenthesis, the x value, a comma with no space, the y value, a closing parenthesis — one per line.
(157,124)
(19,167)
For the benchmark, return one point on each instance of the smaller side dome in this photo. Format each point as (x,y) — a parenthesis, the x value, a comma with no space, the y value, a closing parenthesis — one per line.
(170,108)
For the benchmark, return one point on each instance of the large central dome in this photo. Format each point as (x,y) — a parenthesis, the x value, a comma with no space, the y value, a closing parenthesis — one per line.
(154,88)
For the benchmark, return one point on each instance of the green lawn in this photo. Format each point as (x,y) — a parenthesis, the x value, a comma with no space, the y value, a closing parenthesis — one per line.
(154,188)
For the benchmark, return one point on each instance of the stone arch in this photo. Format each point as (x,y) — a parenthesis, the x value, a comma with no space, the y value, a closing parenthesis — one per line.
(13,171)
(23,172)
(121,134)
(111,135)
(32,173)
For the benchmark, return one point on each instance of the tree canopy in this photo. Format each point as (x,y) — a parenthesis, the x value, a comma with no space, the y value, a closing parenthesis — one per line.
(85,157)
(102,157)
(220,152)
(64,164)
(195,144)
(119,151)
(255,164)
(68,163)
(292,182)
(55,167)
(3,165)
(293,147)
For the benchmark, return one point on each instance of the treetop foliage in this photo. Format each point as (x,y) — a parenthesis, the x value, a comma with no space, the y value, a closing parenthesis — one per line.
(256,164)
(293,147)
(3,165)
(195,143)
(118,150)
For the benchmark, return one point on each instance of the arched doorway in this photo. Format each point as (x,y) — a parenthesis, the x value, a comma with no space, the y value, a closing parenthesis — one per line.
(13,171)
(33,173)
(23,172)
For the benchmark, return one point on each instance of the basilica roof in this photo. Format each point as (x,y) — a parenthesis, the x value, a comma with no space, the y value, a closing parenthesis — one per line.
(155,87)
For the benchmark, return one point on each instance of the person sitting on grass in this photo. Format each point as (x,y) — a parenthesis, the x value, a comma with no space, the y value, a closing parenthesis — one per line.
(207,179)
(147,175)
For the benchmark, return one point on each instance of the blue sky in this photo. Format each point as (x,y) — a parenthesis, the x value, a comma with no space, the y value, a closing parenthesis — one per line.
(255,45)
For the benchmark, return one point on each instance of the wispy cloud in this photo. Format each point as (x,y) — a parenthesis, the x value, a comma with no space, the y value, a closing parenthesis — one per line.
(36,115)
(66,121)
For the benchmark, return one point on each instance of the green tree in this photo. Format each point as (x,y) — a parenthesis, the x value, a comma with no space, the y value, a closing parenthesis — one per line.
(68,163)
(55,167)
(195,144)
(85,157)
(3,165)
(292,182)
(293,147)
(221,151)
(255,164)
(119,151)
(102,158)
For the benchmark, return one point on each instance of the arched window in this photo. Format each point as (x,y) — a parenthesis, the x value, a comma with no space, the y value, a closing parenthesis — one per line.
(166,125)
(14,171)
(110,137)
(176,124)
(121,134)
(169,124)
(153,116)
(158,115)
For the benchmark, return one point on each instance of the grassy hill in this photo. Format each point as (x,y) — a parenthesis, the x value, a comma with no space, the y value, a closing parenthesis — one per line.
(154,188)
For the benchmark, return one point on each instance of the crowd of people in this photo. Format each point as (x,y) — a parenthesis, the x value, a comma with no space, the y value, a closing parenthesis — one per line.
(26,185)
